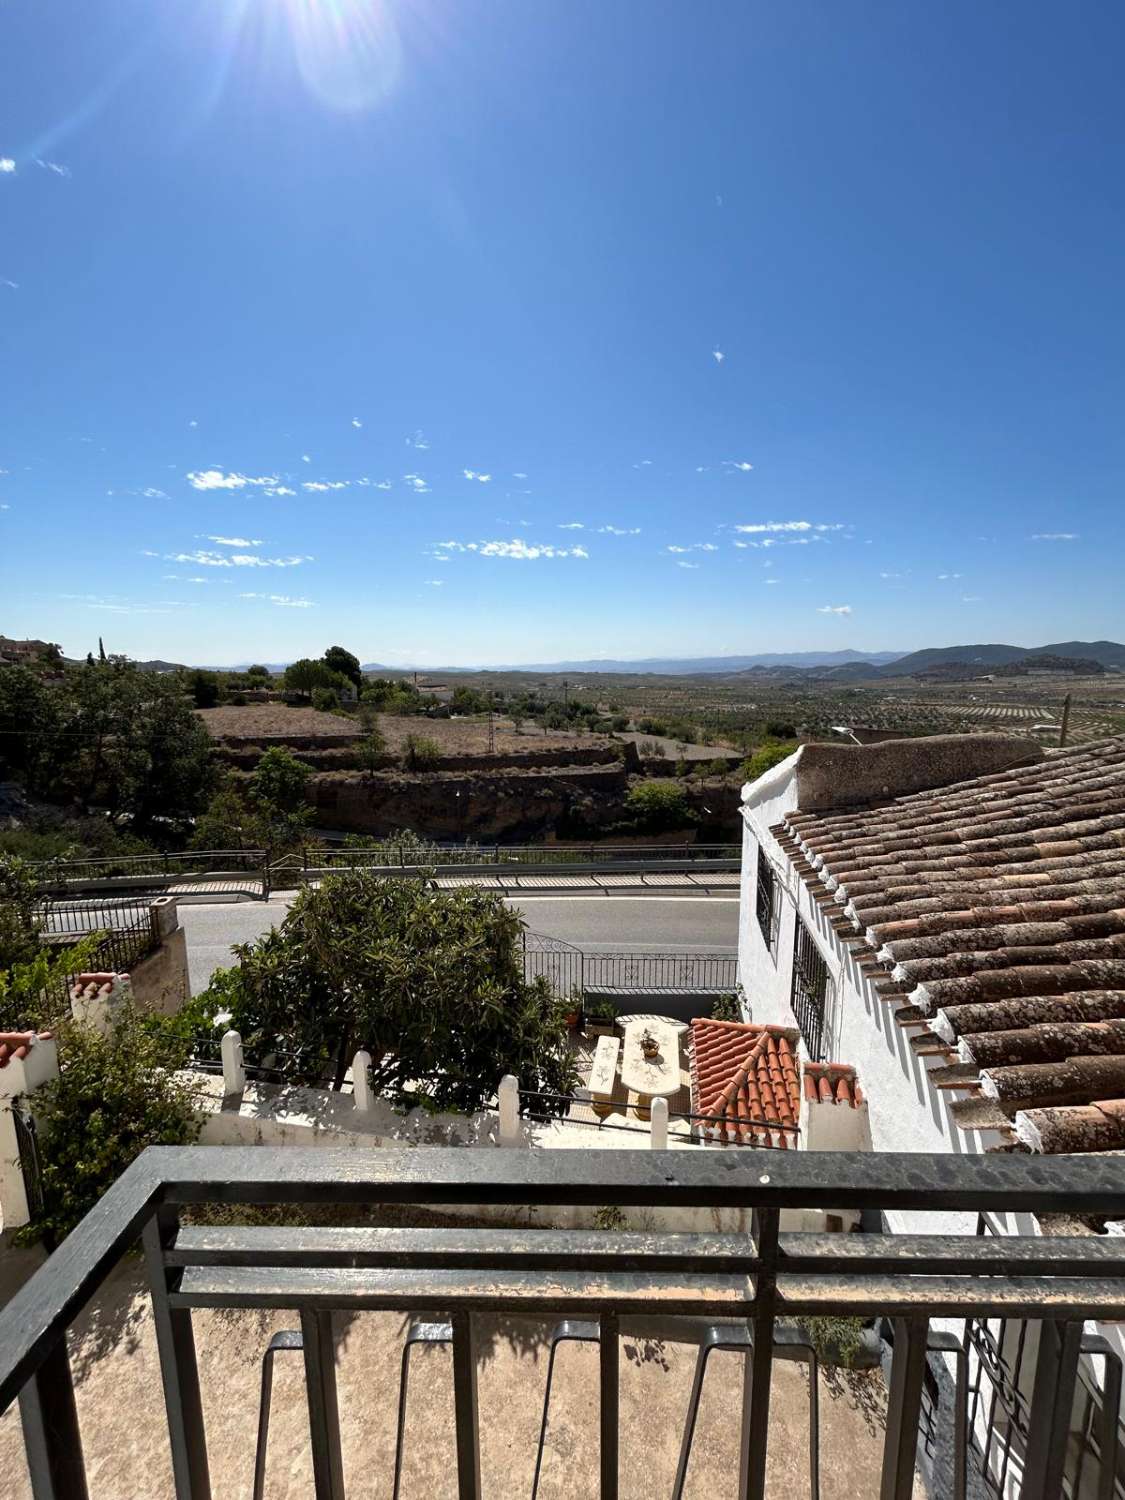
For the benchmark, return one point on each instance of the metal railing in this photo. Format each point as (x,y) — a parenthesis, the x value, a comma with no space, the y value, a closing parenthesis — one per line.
(607,1276)
(571,970)
(126,928)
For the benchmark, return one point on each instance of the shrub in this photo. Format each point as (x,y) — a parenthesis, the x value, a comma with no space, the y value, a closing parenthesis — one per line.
(726,1008)
(764,759)
(325,699)
(420,753)
(656,806)
(115,1095)
(837,1340)
(429,982)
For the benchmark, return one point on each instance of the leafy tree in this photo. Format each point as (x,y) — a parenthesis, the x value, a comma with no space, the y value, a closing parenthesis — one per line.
(325,699)
(371,752)
(336,659)
(228,823)
(657,806)
(114,1096)
(204,689)
(429,982)
(276,791)
(765,759)
(257,670)
(305,674)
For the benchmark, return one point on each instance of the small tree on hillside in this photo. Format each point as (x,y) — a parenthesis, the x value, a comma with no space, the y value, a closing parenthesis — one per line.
(303,675)
(204,689)
(429,982)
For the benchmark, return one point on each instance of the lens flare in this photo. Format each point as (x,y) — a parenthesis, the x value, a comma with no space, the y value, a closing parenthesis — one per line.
(349,52)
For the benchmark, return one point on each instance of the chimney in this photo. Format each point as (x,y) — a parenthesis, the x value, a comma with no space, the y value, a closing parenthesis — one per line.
(833,1109)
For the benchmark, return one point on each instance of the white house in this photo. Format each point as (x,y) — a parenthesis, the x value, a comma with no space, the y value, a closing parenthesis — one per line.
(949,915)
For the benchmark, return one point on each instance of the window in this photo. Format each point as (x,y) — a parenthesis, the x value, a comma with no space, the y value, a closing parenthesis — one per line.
(812,991)
(767,903)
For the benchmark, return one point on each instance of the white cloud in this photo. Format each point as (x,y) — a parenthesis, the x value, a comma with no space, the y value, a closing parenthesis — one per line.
(193,424)
(417,439)
(970,598)
(736,463)
(480,478)
(52,166)
(695,547)
(763,526)
(687,565)
(12,285)
(897,575)
(645,463)
(278,489)
(718,356)
(517,548)
(436,583)
(571,526)
(205,559)
(7,164)
(215,479)
(356,422)
(943,576)
(1054,536)
(235,541)
(620,530)
(773,580)
(382,484)
(283,601)
(305,458)
(519,476)
(325,484)
(834,609)
(417,484)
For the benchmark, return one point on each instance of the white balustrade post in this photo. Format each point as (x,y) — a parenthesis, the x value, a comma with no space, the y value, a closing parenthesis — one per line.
(361,1082)
(234,1073)
(659,1125)
(509,1099)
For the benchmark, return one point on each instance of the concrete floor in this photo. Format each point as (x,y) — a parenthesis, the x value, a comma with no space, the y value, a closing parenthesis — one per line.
(124,1436)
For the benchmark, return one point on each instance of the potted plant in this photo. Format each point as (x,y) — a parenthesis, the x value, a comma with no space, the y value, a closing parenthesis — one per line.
(573,1014)
(650,1047)
(601,1017)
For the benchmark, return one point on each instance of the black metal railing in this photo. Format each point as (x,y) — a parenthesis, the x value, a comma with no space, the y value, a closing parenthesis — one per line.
(767,906)
(607,1276)
(126,934)
(811,991)
(570,970)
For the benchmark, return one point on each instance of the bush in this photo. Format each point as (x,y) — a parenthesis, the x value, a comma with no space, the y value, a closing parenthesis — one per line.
(420,753)
(115,1096)
(325,699)
(764,759)
(657,806)
(429,982)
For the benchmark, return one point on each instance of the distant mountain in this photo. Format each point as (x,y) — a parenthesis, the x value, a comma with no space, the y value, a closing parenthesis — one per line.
(676,666)
(1107,653)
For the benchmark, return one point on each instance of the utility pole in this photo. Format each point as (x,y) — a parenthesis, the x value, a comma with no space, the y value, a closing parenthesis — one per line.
(491,729)
(566,695)
(1065,721)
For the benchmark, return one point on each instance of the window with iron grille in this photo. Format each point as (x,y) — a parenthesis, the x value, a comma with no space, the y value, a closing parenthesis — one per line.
(812,991)
(767,902)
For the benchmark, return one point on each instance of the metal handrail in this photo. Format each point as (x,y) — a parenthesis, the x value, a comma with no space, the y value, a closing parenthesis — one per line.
(610,1276)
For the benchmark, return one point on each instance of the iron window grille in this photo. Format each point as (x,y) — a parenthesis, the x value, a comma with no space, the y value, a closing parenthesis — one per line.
(811,993)
(767,903)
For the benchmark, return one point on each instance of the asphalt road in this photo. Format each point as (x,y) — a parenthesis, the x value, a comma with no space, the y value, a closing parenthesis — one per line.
(706,923)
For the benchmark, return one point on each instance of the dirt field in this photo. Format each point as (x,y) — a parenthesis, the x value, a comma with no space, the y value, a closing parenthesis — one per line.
(257,721)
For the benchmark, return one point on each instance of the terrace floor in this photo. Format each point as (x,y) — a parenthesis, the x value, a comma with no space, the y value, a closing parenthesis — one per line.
(121,1412)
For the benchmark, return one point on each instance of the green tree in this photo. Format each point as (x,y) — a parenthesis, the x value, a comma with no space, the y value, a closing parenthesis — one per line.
(420,753)
(305,674)
(336,659)
(429,982)
(765,759)
(657,807)
(204,689)
(325,699)
(276,792)
(257,670)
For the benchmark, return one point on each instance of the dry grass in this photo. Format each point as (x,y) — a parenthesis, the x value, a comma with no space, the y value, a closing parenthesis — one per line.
(259,720)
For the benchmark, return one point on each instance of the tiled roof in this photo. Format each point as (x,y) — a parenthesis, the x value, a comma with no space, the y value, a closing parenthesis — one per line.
(991,913)
(747,1075)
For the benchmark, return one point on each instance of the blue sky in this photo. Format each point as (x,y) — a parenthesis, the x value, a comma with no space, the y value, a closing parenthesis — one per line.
(466,332)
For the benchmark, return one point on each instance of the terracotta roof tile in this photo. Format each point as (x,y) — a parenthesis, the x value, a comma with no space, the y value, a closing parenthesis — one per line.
(747,1075)
(996,909)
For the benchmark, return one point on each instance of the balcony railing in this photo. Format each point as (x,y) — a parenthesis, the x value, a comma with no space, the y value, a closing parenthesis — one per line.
(607,1277)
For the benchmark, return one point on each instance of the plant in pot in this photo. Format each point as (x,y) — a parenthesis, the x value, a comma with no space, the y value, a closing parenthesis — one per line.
(574,1008)
(650,1047)
(601,1017)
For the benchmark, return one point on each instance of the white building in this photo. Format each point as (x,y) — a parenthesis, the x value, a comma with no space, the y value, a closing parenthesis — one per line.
(948,914)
